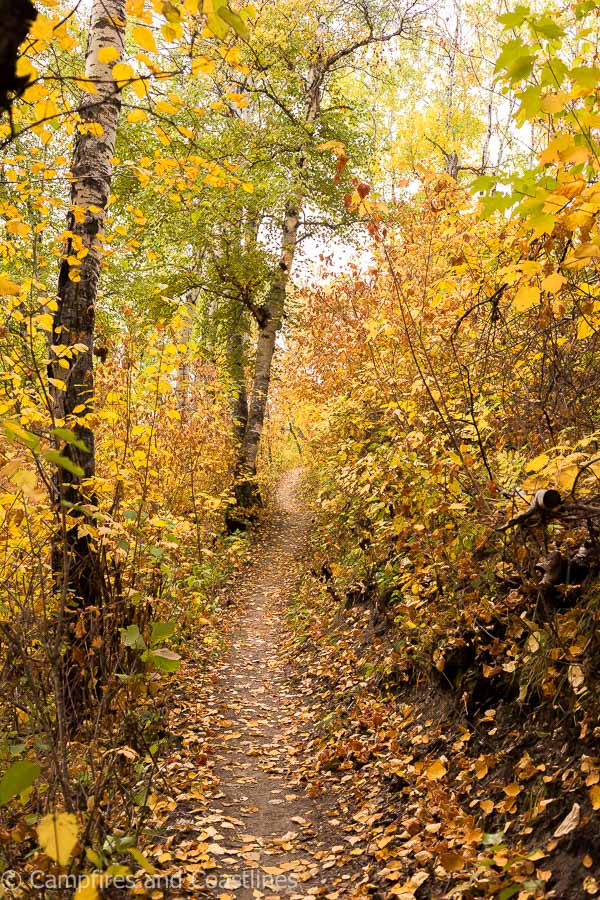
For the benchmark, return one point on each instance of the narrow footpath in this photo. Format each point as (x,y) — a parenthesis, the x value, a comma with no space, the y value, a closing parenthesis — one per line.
(247,830)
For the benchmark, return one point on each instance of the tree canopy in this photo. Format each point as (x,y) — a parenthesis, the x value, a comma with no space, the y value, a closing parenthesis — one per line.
(356,238)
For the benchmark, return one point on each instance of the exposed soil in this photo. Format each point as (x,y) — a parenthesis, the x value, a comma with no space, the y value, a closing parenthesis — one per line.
(254,832)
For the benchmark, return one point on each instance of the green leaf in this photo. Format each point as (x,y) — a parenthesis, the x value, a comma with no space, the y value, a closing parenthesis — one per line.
(587,76)
(497,203)
(217,25)
(510,891)
(483,183)
(530,103)
(165,660)
(582,9)
(16,432)
(64,434)
(509,51)
(93,857)
(142,861)
(553,73)
(132,637)
(521,68)
(161,631)
(125,842)
(543,223)
(17,779)
(493,839)
(53,456)
(515,18)
(235,20)
(547,27)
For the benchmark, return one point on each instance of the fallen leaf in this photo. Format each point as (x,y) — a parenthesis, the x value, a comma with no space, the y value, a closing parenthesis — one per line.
(436,771)
(570,822)
(57,835)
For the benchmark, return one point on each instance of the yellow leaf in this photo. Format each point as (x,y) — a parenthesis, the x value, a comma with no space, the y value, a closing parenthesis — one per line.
(526,297)
(436,771)
(137,115)
(57,835)
(94,128)
(553,283)
(537,463)
(16,226)
(171,32)
(8,288)
(232,55)
(203,65)
(163,106)
(248,187)
(42,29)
(67,42)
(553,103)
(25,68)
(578,219)
(87,891)
(551,153)
(25,480)
(570,189)
(512,790)
(144,38)
(566,477)
(584,329)
(335,146)
(576,156)
(107,55)
(122,72)
(139,88)
(595,796)
(45,321)
(587,251)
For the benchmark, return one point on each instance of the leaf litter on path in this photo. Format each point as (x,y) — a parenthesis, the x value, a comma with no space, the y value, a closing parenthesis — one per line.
(233,820)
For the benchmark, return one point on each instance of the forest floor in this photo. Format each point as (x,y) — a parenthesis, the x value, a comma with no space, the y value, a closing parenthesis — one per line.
(236,822)
(293,772)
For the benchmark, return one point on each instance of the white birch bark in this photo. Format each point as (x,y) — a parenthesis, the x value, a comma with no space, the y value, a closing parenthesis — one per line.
(91,173)
(77,565)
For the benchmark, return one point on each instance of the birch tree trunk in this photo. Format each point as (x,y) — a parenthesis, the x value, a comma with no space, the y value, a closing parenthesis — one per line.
(184,373)
(237,375)
(77,567)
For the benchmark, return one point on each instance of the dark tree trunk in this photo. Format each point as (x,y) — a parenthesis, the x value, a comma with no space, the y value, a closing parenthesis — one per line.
(16,18)
(246,490)
(77,564)
(237,374)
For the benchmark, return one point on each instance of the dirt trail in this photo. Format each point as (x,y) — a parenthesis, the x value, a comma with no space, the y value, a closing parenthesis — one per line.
(266,837)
